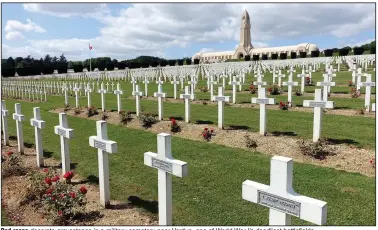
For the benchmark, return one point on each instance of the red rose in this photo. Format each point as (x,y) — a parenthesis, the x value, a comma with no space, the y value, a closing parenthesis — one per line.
(211,130)
(205,129)
(68,175)
(83,190)
(204,135)
(9,153)
(55,178)
(62,195)
(60,212)
(53,198)
(45,170)
(48,181)
(49,191)
(72,194)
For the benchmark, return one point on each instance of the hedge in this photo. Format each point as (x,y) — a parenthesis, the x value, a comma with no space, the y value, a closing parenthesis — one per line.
(328,53)
(274,56)
(283,56)
(264,57)
(315,53)
(293,55)
(303,54)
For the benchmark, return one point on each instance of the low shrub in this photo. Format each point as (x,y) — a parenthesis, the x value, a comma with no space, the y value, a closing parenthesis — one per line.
(318,150)
(104,116)
(253,89)
(297,91)
(250,143)
(77,111)
(308,81)
(125,117)
(208,134)
(284,106)
(174,126)
(361,111)
(275,90)
(11,165)
(148,119)
(354,93)
(92,111)
(350,83)
(66,108)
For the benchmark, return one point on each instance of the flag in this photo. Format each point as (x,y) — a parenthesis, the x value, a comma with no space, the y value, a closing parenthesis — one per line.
(90,47)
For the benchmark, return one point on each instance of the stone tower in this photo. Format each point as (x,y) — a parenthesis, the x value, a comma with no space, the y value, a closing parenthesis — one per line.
(245,37)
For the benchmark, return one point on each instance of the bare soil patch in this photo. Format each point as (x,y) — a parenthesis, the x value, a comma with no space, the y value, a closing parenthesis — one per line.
(347,157)
(14,189)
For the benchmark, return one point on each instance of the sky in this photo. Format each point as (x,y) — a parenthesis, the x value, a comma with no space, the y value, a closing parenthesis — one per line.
(176,30)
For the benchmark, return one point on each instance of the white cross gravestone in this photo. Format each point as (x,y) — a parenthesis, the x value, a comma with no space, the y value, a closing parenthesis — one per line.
(107,86)
(302,76)
(359,74)
(119,92)
(259,81)
(4,119)
(65,89)
(318,104)
(290,85)
(211,83)
(280,197)
(280,76)
(76,90)
(65,134)
(326,86)
(137,95)
(373,107)
(18,117)
(192,83)
(221,100)
(263,101)
(146,82)
(38,125)
(88,91)
(368,84)
(234,83)
(103,92)
(160,95)
(104,146)
(167,166)
(187,97)
(175,83)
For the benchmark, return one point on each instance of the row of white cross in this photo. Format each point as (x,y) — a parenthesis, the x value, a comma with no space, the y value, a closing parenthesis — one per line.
(279,196)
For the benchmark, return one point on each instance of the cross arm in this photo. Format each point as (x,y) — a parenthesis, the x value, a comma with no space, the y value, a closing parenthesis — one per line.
(322,104)
(5,113)
(309,209)
(367,84)
(290,83)
(259,83)
(135,93)
(105,145)
(159,94)
(325,83)
(37,123)
(118,92)
(67,133)
(269,101)
(221,98)
(18,117)
(172,166)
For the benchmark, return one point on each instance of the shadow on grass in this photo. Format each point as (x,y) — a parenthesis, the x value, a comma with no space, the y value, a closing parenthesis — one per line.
(92,179)
(47,154)
(29,145)
(88,216)
(278,133)
(202,122)
(341,141)
(120,206)
(59,166)
(236,127)
(245,102)
(13,138)
(177,118)
(148,205)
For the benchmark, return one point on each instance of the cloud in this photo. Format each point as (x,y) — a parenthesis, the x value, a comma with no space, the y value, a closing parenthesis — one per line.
(14,25)
(149,29)
(14,35)
(354,43)
(66,10)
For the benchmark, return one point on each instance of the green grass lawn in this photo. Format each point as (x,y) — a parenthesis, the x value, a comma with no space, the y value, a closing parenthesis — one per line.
(211,193)
(4,220)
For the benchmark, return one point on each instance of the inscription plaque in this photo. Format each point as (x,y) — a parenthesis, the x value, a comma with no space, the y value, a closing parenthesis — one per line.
(186,96)
(61,132)
(368,83)
(99,145)
(163,165)
(160,95)
(35,123)
(317,104)
(118,92)
(262,101)
(291,83)
(259,83)
(220,98)
(279,203)
(325,84)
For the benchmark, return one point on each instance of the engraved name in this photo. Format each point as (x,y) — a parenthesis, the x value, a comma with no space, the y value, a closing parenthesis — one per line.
(163,165)
(279,203)
(99,145)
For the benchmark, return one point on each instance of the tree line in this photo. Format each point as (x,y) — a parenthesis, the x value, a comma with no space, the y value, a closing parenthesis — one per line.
(30,66)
